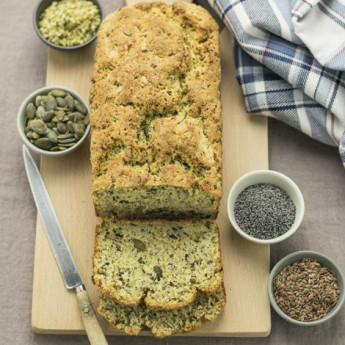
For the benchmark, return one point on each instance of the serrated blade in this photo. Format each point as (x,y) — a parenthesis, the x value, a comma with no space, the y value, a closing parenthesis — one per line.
(51,224)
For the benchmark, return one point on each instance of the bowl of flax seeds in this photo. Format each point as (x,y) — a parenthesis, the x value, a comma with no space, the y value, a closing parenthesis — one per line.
(306,288)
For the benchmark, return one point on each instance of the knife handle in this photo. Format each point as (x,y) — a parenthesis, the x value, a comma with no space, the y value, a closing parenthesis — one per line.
(93,329)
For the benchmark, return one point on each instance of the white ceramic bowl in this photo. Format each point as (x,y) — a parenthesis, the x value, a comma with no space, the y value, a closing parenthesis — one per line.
(325,261)
(275,178)
(21,118)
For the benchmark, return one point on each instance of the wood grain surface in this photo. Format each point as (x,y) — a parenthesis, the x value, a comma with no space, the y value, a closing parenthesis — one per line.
(68,180)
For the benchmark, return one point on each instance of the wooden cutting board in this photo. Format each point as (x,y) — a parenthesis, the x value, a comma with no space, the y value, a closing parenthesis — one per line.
(68,180)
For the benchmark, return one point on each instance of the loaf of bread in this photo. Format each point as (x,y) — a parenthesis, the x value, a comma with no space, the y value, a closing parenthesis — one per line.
(156,114)
(163,264)
(163,323)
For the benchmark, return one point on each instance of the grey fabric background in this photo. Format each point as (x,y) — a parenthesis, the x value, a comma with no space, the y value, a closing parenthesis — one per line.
(314,167)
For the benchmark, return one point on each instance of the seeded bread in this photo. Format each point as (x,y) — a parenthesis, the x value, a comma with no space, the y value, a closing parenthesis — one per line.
(163,264)
(155,113)
(165,322)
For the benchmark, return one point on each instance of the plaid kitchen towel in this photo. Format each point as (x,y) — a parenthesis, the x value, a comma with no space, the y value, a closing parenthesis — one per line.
(290,60)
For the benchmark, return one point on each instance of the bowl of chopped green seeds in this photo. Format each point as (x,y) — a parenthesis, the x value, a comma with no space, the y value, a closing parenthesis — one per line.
(53,121)
(306,288)
(67,24)
(265,206)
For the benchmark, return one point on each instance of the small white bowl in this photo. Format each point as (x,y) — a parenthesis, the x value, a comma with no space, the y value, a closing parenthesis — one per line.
(275,178)
(21,118)
(325,261)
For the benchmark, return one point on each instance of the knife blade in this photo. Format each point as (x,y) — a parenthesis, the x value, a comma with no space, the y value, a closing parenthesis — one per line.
(62,253)
(51,224)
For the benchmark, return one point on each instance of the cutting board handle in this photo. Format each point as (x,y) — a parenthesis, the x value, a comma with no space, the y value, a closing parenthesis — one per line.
(93,329)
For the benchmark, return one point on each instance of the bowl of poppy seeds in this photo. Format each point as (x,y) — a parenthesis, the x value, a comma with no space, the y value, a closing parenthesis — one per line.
(265,206)
(306,288)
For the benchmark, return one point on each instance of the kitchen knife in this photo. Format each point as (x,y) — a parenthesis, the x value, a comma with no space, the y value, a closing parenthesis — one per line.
(61,251)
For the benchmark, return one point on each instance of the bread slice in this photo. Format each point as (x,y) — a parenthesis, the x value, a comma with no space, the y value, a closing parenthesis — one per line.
(163,323)
(163,264)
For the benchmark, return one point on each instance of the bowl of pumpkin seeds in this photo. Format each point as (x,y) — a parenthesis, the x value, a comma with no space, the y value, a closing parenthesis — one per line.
(53,121)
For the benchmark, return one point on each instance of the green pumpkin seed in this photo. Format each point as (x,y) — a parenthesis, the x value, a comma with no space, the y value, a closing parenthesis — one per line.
(71,116)
(27,129)
(75,114)
(66,141)
(54,148)
(79,118)
(69,102)
(195,236)
(55,130)
(81,108)
(66,145)
(38,100)
(52,136)
(140,246)
(60,114)
(158,271)
(38,126)
(62,127)
(66,136)
(62,148)
(62,108)
(65,119)
(35,135)
(55,119)
(147,131)
(70,126)
(51,103)
(58,93)
(61,102)
(30,134)
(30,111)
(79,129)
(43,101)
(40,112)
(86,120)
(49,125)
(48,116)
(43,143)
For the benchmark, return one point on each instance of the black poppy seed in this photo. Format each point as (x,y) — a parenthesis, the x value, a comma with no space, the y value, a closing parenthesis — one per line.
(264,211)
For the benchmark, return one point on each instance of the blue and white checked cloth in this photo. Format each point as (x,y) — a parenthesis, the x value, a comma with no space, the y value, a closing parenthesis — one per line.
(290,60)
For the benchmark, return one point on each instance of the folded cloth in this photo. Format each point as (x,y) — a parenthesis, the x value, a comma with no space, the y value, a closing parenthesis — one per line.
(290,61)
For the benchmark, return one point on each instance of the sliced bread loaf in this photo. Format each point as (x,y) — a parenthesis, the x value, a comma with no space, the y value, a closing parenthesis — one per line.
(160,263)
(163,323)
